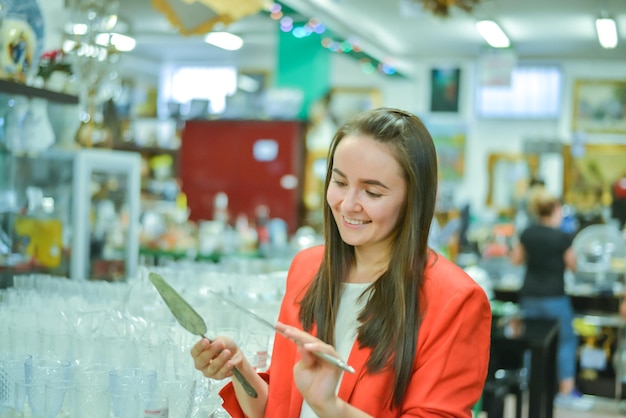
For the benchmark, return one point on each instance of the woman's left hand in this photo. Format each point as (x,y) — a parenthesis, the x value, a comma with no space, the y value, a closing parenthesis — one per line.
(315,378)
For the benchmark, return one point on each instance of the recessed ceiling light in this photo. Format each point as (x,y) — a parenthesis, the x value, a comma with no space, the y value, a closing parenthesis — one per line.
(224,40)
(493,34)
(607,32)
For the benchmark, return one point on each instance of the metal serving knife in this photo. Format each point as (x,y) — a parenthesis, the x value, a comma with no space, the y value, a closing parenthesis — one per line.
(190,320)
(328,358)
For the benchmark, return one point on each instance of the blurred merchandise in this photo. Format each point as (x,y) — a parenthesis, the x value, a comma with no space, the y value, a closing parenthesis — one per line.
(42,238)
(243,105)
(500,241)
(54,70)
(282,103)
(18,56)
(70,213)
(196,109)
(601,257)
(220,207)
(93,132)
(153,132)
(27,127)
(164,226)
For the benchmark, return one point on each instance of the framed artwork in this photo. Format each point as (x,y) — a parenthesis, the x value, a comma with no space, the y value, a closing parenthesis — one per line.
(509,175)
(449,139)
(346,102)
(588,177)
(599,106)
(444,89)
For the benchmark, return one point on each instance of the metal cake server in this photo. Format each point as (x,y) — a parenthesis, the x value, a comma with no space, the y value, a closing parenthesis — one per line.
(190,320)
(326,357)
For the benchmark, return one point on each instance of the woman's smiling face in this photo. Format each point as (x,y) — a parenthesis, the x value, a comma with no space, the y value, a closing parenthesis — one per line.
(367,191)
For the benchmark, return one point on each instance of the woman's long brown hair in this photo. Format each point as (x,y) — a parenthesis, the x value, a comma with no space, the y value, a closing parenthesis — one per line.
(394,309)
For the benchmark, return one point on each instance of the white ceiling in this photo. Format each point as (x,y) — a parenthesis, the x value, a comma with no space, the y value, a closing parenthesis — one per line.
(539,29)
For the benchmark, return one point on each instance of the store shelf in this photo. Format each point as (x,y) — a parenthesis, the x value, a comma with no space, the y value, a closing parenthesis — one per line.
(147,150)
(11,87)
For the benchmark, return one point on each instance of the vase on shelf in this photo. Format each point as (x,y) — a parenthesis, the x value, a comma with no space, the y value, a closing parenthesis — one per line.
(27,126)
(93,132)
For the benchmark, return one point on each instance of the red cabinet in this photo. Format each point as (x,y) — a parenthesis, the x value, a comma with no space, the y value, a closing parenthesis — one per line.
(254,162)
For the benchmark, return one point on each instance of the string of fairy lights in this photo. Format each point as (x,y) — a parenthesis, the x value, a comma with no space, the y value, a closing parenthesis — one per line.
(315,27)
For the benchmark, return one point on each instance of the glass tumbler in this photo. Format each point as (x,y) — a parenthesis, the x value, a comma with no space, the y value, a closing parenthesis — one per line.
(14,369)
(180,395)
(48,385)
(92,398)
(131,389)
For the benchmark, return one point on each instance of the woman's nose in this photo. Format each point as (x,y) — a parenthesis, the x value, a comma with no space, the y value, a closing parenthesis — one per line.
(351,200)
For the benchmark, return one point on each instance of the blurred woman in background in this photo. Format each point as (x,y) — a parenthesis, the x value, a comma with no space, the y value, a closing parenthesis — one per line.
(547,251)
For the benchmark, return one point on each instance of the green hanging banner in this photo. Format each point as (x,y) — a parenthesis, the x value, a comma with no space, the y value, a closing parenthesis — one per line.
(303,63)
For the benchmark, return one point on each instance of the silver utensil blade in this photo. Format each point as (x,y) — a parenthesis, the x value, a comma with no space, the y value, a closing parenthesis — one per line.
(330,359)
(182,311)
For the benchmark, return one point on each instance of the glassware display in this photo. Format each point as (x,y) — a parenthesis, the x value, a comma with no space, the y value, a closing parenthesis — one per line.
(91,49)
(56,194)
(126,326)
(106,209)
(601,258)
(48,194)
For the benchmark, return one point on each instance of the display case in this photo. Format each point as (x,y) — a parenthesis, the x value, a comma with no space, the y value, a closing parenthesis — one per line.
(65,212)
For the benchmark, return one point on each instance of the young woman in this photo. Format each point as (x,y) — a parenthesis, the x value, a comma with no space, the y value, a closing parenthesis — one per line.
(547,252)
(414,326)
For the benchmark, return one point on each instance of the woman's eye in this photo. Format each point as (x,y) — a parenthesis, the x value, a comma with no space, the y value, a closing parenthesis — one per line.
(372,194)
(339,183)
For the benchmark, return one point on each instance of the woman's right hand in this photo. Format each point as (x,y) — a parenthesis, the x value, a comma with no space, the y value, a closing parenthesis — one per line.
(216,359)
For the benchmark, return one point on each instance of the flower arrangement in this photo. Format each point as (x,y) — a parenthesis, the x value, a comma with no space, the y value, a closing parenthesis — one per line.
(52,61)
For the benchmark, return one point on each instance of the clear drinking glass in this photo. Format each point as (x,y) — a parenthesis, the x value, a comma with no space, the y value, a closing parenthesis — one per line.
(180,395)
(60,395)
(49,382)
(131,389)
(256,348)
(92,397)
(14,369)
(92,402)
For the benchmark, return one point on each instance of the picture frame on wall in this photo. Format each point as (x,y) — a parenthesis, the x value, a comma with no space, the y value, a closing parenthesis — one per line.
(345,102)
(444,89)
(450,141)
(589,177)
(599,106)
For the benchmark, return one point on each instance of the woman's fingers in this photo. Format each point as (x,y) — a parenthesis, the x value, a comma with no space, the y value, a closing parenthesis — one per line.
(219,367)
(305,340)
(200,346)
(211,358)
(294,334)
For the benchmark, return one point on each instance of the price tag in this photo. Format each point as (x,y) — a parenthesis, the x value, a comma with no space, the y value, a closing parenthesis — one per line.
(156,413)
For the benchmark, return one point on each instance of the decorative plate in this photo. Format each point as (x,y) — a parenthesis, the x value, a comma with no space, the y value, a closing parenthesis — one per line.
(29,11)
